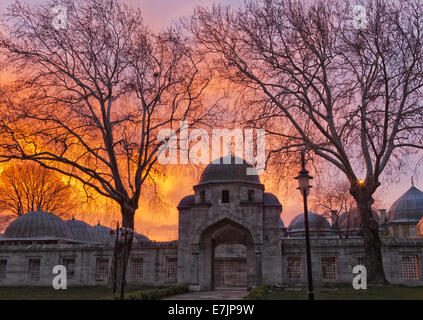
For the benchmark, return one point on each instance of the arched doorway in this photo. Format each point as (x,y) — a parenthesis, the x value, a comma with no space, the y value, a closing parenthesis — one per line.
(230,270)
(227,255)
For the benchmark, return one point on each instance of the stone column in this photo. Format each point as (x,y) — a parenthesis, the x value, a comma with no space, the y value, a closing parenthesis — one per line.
(258,269)
(195,268)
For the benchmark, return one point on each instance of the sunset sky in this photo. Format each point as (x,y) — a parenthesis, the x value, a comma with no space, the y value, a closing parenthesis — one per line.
(158,14)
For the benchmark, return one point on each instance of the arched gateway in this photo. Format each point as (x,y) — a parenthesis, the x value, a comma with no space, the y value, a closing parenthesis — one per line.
(229,231)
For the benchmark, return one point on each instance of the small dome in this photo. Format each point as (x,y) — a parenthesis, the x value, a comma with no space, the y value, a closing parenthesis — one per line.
(352,221)
(38,224)
(408,208)
(102,234)
(270,200)
(186,202)
(316,223)
(141,238)
(81,231)
(281,223)
(108,235)
(234,171)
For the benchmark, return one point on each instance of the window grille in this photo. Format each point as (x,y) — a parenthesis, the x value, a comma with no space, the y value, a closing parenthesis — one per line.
(69,264)
(34,269)
(3,264)
(329,269)
(410,268)
(137,268)
(171,268)
(101,269)
(293,267)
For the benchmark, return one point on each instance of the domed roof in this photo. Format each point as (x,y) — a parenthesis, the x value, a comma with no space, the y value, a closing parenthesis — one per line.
(282,225)
(102,234)
(141,238)
(316,223)
(408,208)
(81,231)
(351,221)
(186,202)
(270,200)
(38,224)
(236,170)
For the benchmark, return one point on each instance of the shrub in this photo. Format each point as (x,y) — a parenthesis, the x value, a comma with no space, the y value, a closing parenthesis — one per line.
(258,293)
(152,294)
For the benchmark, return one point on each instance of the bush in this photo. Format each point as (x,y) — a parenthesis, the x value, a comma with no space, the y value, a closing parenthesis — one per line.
(152,294)
(258,293)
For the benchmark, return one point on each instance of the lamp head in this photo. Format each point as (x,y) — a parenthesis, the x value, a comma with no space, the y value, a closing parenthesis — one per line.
(303,179)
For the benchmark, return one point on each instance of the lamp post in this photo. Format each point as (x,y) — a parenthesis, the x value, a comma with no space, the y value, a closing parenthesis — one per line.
(304,187)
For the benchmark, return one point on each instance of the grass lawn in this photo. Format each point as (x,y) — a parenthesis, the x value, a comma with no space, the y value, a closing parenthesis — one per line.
(48,293)
(348,293)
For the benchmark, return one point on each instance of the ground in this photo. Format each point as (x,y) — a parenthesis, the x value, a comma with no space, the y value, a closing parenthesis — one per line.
(93,293)
(348,293)
(48,293)
(211,295)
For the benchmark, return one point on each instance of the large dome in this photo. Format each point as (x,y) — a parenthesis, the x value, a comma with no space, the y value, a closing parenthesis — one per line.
(408,208)
(81,231)
(316,223)
(38,224)
(102,234)
(234,171)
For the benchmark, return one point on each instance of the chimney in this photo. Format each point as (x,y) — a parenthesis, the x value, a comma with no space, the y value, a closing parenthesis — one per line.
(382,213)
(334,217)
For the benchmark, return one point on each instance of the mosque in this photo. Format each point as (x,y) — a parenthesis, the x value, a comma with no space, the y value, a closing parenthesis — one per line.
(230,235)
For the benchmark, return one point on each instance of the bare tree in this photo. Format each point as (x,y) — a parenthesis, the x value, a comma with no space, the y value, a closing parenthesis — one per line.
(334,199)
(350,93)
(89,100)
(29,187)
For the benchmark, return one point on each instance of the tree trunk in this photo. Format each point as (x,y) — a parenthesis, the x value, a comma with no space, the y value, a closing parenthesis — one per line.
(370,234)
(121,252)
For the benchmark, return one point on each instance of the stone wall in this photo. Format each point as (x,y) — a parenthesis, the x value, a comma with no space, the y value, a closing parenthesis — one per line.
(159,261)
(155,261)
(347,253)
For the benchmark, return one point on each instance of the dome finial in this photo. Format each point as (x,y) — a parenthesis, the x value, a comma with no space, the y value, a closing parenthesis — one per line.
(412,181)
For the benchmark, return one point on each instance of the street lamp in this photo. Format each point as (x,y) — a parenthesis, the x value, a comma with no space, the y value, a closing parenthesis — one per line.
(304,187)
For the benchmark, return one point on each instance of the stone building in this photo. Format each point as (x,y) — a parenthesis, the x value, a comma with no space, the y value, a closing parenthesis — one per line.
(405,213)
(229,207)
(230,235)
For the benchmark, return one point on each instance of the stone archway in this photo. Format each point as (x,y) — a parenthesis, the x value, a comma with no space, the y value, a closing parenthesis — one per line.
(226,232)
